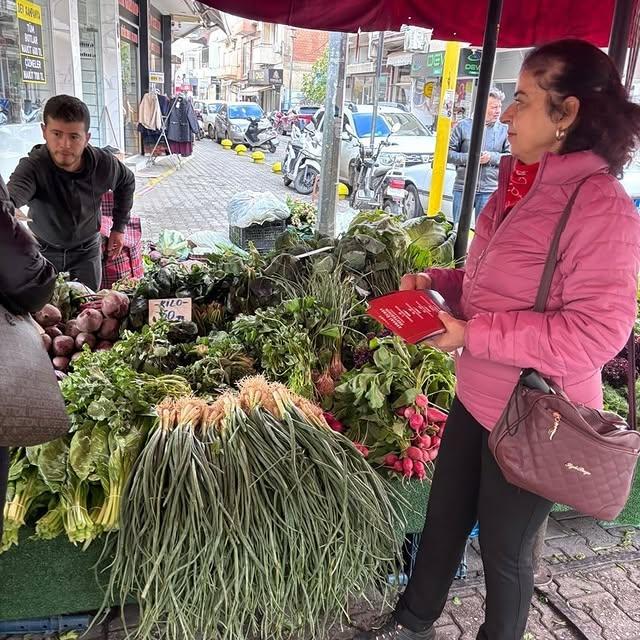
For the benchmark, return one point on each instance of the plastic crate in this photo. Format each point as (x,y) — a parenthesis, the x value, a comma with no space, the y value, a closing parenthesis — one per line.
(263,236)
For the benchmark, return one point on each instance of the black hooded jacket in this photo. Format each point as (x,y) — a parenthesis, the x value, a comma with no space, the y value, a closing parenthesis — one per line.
(64,207)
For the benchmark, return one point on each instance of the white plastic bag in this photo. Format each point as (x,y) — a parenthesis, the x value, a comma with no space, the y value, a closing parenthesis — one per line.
(252,207)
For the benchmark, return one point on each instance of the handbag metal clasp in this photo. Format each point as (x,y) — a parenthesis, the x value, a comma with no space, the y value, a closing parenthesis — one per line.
(554,427)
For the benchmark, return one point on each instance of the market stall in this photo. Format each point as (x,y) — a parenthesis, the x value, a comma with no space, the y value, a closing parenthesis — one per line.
(228,398)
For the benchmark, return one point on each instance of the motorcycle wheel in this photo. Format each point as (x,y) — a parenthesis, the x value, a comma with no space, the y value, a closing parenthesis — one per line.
(287,181)
(412,207)
(304,180)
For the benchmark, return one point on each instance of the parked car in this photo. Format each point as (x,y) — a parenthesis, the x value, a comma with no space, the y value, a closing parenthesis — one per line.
(412,140)
(209,112)
(304,114)
(232,120)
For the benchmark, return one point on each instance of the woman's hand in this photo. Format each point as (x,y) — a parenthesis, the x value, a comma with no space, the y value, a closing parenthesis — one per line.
(411,281)
(453,338)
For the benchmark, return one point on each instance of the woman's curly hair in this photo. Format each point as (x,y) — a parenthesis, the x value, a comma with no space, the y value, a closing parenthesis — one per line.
(608,123)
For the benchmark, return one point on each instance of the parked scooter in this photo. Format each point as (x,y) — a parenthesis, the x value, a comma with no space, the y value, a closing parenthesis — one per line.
(378,186)
(257,138)
(291,157)
(307,167)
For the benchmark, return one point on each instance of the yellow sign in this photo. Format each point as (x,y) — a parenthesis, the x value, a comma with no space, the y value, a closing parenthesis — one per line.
(427,91)
(29,12)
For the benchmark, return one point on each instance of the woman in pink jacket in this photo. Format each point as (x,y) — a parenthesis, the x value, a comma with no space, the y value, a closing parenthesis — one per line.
(571,120)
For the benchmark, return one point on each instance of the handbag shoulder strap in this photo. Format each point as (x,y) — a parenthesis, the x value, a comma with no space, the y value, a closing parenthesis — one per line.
(552,257)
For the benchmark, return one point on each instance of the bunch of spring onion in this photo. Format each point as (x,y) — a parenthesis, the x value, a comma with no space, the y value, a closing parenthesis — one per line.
(249,517)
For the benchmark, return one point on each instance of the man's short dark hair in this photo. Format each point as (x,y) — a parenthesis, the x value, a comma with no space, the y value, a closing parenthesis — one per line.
(67,109)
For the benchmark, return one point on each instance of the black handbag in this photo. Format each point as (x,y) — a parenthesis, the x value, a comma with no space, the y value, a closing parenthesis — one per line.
(32,409)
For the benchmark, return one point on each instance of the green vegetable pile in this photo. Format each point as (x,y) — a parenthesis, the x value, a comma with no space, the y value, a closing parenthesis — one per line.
(275,523)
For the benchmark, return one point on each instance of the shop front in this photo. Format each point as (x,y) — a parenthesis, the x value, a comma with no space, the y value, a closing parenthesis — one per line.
(129,11)
(26,77)
(265,86)
(156,58)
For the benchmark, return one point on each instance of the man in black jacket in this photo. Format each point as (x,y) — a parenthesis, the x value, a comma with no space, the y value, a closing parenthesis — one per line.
(63,182)
(27,281)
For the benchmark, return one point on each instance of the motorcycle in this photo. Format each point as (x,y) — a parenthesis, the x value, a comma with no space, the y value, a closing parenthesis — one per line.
(257,138)
(291,157)
(307,166)
(201,134)
(375,185)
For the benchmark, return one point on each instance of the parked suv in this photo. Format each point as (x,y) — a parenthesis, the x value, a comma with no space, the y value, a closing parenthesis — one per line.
(232,120)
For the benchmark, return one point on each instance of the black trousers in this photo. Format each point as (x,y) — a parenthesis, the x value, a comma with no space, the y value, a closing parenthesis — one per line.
(4,478)
(468,486)
(83,263)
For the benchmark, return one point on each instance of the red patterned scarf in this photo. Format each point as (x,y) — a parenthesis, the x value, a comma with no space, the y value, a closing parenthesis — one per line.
(522,177)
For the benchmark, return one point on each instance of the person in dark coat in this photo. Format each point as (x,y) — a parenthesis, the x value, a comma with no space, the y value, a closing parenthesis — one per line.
(27,280)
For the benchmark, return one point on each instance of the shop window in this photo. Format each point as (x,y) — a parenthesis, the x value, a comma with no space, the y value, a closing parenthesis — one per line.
(26,81)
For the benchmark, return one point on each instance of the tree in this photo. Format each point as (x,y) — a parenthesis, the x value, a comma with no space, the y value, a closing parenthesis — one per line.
(314,84)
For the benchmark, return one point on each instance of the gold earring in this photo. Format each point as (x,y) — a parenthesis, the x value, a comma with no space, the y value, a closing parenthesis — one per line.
(560,134)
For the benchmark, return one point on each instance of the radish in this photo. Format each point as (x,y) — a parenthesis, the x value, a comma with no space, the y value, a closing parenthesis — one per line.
(48,316)
(85,338)
(71,329)
(435,441)
(414,453)
(109,330)
(115,304)
(47,341)
(53,332)
(424,442)
(435,415)
(390,459)
(407,466)
(422,401)
(63,346)
(104,345)
(419,470)
(89,321)
(60,363)
(416,422)
(409,412)
(398,466)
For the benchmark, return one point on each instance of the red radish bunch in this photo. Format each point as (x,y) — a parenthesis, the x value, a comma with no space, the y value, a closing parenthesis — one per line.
(426,424)
(97,327)
(333,422)
(362,449)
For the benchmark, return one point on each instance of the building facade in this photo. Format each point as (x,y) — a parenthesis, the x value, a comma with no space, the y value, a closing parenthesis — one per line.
(107,53)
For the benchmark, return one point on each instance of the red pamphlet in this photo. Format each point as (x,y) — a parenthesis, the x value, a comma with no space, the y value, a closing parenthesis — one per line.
(412,315)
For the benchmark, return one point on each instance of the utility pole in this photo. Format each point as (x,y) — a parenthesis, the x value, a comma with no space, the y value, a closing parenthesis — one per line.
(376,88)
(293,41)
(332,128)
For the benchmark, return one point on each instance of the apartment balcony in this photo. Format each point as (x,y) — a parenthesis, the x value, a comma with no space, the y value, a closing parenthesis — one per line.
(265,55)
(226,72)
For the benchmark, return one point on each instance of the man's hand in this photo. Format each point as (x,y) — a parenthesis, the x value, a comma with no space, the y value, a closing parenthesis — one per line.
(116,244)
(453,338)
(485,157)
(417,281)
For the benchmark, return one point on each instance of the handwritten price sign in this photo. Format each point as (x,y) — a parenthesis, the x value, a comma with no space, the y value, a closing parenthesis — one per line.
(171,309)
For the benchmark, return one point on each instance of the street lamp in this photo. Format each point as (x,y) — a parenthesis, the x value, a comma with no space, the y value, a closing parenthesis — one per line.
(293,38)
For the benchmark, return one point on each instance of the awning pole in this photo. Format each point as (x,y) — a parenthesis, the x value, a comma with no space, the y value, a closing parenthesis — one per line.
(331,130)
(487,63)
(620,28)
(376,89)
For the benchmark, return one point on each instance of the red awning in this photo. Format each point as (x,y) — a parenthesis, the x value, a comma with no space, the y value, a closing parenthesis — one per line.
(524,22)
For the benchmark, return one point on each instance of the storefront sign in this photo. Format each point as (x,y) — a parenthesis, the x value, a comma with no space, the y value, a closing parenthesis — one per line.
(155,48)
(259,76)
(129,10)
(129,33)
(469,63)
(275,77)
(435,64)
(32,63)
(171,309)
(156,77)
(155,23)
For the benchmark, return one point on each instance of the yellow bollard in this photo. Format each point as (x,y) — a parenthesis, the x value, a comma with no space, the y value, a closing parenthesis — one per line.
(276,167)
(226,144)
(241,149)
(257,157)
(343,191)
(443,132)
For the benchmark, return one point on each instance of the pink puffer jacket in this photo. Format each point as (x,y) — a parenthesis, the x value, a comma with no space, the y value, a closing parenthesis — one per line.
(592,304)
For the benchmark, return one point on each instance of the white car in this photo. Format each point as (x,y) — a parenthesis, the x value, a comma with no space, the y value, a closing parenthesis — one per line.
(413,140)
(209,113)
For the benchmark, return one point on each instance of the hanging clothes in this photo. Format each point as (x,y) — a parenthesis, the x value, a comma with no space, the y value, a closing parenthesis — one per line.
(149,114)
(183,123)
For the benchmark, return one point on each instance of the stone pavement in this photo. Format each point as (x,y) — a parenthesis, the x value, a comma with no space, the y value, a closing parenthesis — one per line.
(194,197)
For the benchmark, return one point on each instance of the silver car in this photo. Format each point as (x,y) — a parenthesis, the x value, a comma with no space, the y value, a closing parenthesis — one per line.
(232,120)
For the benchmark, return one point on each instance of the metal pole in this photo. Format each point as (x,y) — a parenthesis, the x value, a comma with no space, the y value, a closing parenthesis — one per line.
(332,128)
(620,28)
(477,131)
(618,47)
(376,88)
(293,41)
